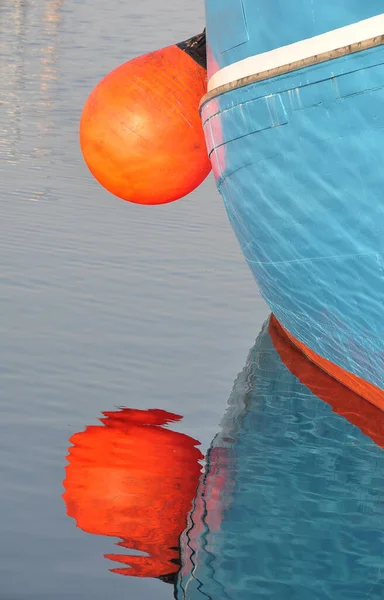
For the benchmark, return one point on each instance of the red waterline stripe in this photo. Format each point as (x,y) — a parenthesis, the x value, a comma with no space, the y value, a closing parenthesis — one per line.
(344,391)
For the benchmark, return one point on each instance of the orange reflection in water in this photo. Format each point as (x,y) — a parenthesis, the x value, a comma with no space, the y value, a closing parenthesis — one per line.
(358,411)
(133,479)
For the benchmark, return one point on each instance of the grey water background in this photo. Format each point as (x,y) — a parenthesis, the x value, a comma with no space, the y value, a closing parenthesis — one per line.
(103,303)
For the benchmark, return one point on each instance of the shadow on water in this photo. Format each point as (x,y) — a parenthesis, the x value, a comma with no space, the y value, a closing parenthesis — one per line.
(290,502)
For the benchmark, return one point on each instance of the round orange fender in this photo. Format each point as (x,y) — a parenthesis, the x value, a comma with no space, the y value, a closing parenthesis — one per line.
(140,130)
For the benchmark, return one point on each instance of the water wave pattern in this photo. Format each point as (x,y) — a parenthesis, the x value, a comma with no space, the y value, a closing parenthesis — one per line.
(302,492)
(298,161)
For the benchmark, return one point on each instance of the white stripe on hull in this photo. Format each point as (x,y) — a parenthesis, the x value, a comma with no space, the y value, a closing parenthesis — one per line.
(275,60)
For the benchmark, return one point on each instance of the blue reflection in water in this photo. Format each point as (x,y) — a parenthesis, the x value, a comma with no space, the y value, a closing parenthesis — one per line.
(291,505)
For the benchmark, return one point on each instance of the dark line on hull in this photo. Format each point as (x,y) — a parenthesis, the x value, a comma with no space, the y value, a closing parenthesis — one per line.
(294,66)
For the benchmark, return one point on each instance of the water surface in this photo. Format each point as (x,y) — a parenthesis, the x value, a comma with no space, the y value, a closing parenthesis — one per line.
(103,304)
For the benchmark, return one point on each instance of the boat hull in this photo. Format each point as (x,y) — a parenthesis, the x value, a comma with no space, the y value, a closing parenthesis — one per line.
(298,159)
(237,29)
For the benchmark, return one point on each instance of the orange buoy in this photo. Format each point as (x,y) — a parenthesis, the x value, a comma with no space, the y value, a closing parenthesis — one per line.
(135,480)
(140,131)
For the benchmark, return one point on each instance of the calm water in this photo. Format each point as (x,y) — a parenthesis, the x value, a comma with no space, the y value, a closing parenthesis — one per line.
(109,310)
(103,304)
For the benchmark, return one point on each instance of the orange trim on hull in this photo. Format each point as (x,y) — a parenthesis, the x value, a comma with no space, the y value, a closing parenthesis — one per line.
(345,402)
(345,392)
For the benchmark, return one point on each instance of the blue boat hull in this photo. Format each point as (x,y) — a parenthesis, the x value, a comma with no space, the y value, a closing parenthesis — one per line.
(298,159)
(237,29)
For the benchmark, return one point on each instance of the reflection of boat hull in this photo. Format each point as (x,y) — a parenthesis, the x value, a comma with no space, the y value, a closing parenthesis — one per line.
(298,160)
(290,506)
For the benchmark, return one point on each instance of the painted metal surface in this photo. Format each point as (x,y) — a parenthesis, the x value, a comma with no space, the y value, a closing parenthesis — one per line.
(290,507)
(311,51)
(237,29)
(298,160)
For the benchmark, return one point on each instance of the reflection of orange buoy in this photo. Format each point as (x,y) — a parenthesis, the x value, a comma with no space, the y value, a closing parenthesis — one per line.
(134,480)
(140,131)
